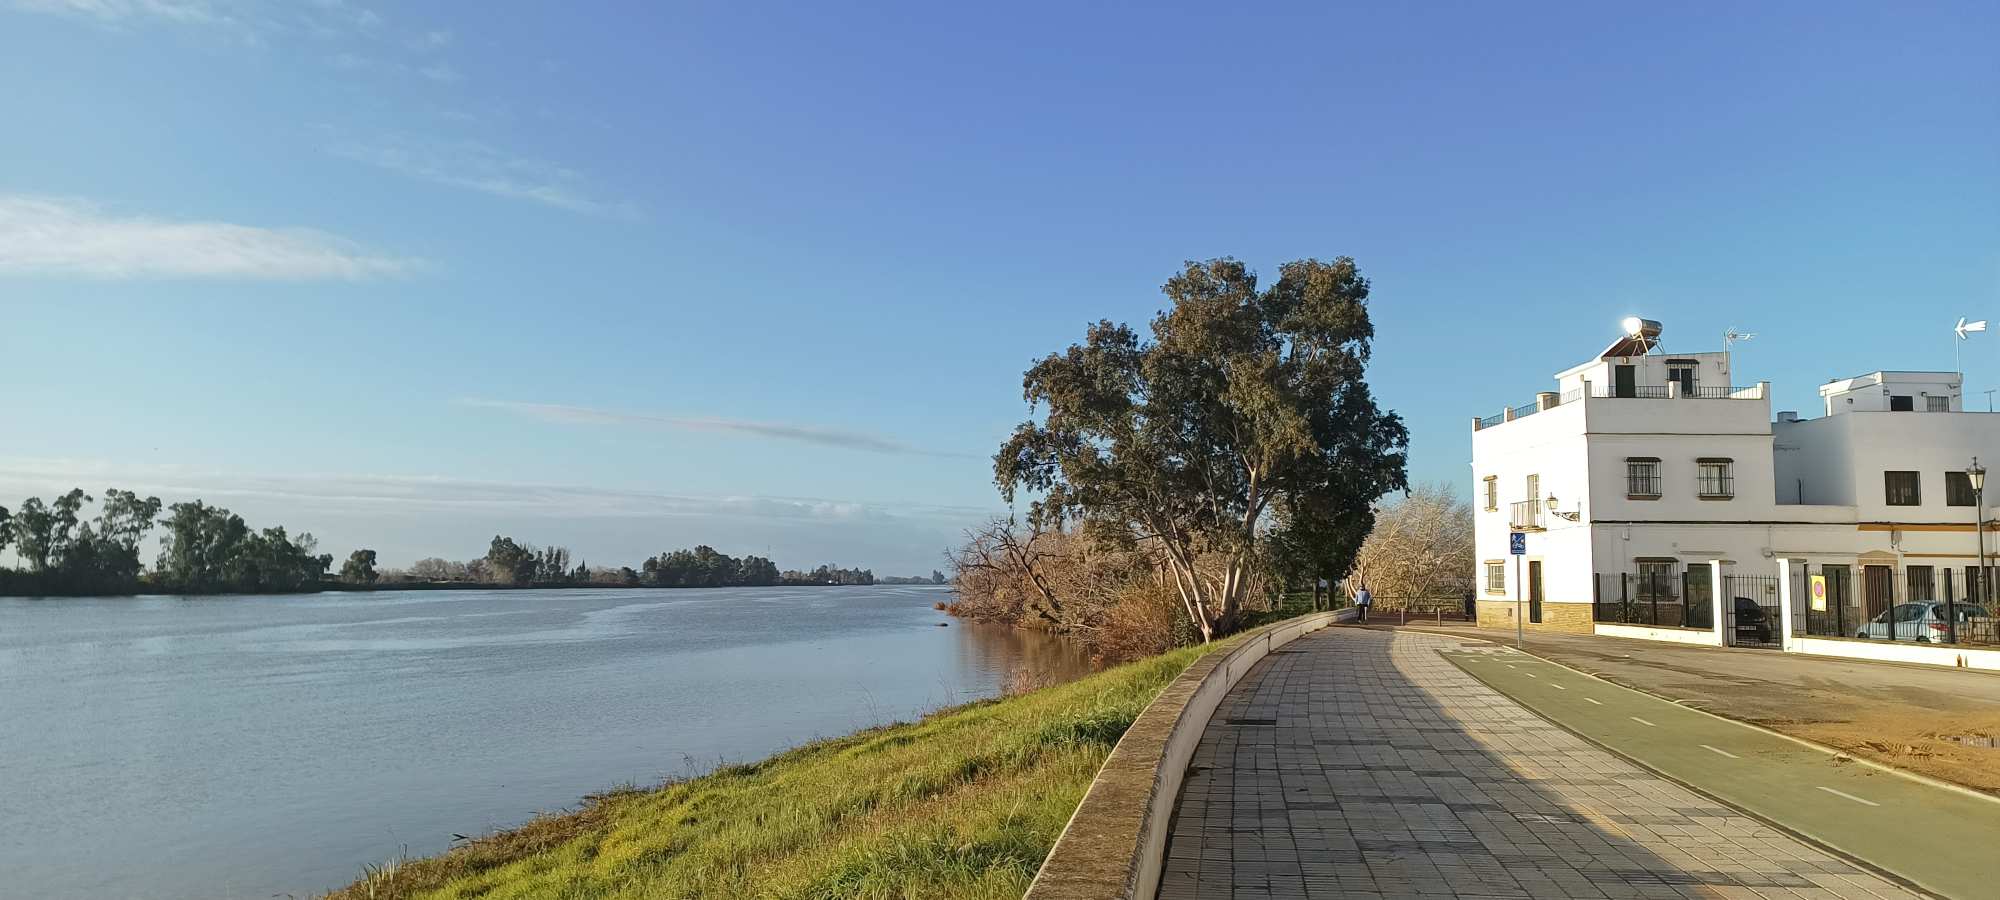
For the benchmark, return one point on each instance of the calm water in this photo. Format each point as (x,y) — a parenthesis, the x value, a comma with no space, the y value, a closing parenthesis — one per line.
(259,746)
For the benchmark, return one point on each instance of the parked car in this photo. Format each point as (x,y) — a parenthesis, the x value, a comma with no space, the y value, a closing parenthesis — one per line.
(1753,623)
(1927,622)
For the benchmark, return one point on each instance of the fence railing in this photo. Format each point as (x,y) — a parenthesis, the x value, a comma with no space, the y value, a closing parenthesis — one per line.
(1921,604)
(1400,610)
(1635,392)
(1523,514)
(1753,611)
(1656,599)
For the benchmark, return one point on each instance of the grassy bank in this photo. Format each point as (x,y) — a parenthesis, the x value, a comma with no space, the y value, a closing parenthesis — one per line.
(963,804)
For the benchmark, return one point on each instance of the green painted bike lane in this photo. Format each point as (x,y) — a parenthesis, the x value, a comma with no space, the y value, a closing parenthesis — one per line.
(1940,839)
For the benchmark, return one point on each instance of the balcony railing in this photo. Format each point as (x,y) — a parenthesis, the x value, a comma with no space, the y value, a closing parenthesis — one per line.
(1525,515)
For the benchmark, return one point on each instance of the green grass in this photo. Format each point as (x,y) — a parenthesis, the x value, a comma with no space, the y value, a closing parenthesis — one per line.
(963,804)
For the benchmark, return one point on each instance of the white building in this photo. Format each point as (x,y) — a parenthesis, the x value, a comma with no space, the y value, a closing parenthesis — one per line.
(1659,479)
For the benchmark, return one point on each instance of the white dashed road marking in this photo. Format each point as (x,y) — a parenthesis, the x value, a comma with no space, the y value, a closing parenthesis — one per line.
(1595,700)
(1721,751)
(1642,721)
(1558,687)
(1846,795)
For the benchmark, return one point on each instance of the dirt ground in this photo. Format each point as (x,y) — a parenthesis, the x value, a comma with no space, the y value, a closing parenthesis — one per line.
(1903,716)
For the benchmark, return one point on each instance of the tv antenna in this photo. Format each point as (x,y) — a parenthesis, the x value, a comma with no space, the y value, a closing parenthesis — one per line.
(1730,337)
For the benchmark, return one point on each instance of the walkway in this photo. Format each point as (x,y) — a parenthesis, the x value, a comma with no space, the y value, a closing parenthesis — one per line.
(1360,764)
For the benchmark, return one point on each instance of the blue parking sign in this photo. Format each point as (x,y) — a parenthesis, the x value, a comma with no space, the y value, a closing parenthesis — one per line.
(1517,543)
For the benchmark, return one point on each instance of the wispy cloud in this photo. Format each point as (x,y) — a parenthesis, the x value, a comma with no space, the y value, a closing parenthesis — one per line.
(806,434)
(392,494)
(436,39)
(406,517)
(118,12)
(441,72)
(473,166)
(49,236)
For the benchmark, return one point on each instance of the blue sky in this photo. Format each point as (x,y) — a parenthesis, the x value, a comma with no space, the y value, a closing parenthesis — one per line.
(628,277)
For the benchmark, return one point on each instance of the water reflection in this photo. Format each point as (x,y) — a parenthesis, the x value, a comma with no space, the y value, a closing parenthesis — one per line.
(258,746)
(1011,656)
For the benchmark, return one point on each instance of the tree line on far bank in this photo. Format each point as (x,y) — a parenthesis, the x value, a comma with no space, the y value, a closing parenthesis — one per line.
(207,549)
(511,562)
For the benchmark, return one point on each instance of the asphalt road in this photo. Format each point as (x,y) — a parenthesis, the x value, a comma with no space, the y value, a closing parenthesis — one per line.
(1937,838)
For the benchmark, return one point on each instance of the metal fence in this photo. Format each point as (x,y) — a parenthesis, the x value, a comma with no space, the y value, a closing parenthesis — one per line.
(1658,599)
(1924,604)
(1399,610)
(1754,612)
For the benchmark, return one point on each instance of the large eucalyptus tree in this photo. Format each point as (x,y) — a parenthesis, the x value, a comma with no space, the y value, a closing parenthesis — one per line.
(1243,401)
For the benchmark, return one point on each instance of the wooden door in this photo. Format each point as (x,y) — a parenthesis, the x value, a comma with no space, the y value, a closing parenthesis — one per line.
(1880,584)
(1535,591)
(1624,381)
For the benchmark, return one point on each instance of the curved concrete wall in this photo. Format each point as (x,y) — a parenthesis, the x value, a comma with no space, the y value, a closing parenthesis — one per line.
(1115,842)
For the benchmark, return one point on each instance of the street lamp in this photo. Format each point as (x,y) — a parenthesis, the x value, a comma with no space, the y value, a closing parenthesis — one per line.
(1975,475)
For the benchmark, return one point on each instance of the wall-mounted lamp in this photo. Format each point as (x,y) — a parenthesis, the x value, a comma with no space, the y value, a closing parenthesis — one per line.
(1571,516)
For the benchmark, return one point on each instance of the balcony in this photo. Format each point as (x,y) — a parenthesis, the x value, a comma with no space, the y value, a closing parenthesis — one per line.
(1525,515)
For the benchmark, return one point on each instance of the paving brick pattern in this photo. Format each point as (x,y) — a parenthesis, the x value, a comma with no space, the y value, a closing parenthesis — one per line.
(1363,764)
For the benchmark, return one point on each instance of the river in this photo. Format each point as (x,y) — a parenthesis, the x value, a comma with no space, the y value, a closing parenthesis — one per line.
(250,747)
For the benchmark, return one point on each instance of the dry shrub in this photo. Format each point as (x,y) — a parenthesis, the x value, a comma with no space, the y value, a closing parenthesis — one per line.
(1146,619)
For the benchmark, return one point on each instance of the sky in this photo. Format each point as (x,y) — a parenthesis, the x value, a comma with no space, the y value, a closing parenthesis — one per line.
(631,277)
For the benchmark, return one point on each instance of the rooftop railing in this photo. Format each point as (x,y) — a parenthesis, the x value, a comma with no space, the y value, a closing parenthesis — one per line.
(1669,391)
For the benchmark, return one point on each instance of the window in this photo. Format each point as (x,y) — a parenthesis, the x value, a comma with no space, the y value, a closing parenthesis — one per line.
(1492,492)
(1902,403)
(1642,478)
(1496,576)
(1901,489)
(1958,489)
(1656,580)
(1937,404)
(1715,478)
(1681,371)
(1534,487)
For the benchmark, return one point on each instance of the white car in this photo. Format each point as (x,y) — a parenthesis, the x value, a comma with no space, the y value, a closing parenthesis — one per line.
(1926,622)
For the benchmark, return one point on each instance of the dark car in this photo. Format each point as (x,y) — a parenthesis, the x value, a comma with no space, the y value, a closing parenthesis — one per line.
(1752,622)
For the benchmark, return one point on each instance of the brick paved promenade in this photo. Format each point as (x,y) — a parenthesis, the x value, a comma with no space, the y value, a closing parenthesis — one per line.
(1362,764)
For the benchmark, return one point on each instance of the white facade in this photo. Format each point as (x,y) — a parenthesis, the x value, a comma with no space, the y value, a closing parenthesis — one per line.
(1656,463)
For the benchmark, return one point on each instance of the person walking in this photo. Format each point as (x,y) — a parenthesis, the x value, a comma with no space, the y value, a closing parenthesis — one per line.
(1362,600)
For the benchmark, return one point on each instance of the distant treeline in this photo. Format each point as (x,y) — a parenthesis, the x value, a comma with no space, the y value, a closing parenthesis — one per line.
(508,561)
(208,550)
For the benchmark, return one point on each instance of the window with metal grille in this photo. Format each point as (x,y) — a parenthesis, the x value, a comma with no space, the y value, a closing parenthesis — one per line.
(1492,492)
(1682,373)
(1496,577)
(1958,489)
(1656,580)
(1902,489)
(1642,478)
(1715,479)
(1937,404)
